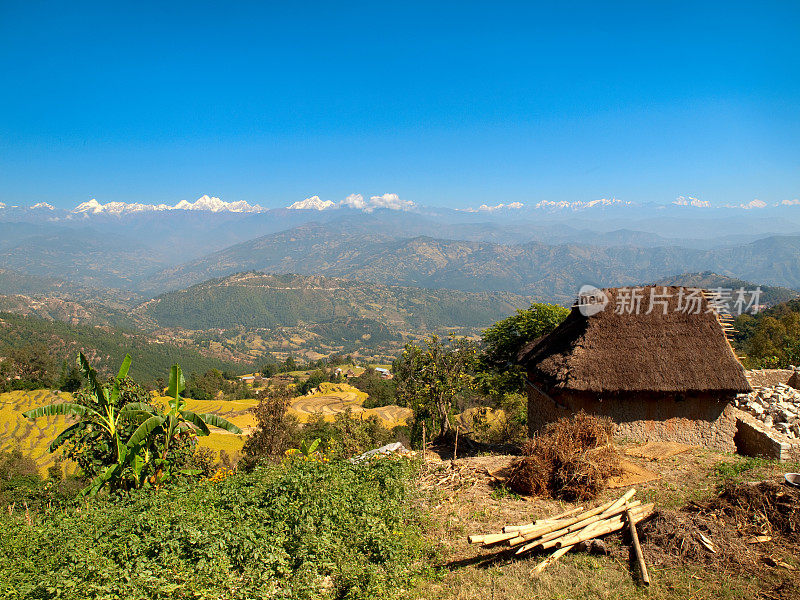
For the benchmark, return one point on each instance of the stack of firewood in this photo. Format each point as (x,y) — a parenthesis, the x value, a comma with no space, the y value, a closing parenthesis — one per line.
(564,531)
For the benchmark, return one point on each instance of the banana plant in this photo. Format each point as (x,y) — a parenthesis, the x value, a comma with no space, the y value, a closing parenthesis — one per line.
(176,420)
(106,413)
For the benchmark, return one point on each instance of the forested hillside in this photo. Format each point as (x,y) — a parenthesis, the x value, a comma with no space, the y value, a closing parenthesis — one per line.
(105,345)
(257,300)
(770,338)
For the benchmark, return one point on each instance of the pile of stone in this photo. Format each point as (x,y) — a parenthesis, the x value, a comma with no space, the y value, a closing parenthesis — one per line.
(777,407)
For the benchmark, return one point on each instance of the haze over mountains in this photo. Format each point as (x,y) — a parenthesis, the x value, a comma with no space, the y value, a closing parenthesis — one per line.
(545,251)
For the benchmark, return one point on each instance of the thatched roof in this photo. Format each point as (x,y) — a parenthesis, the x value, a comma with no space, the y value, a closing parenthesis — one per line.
(609,352)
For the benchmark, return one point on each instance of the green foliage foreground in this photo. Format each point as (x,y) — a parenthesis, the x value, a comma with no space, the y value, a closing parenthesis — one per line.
(302,529)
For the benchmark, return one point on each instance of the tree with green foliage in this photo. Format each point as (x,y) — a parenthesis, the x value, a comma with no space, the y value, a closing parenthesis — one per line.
(176,424)
(770,338)
(348,434)
(380,391)
(28,367)
(312,382)
(276,431)
(503,340)
(70,380)
(499,373)
(430,379)
(101,408)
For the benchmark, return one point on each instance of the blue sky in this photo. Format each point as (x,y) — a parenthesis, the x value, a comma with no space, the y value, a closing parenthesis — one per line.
(447,104)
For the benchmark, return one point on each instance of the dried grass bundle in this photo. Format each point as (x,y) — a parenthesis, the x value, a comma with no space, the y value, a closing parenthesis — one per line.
(570,459)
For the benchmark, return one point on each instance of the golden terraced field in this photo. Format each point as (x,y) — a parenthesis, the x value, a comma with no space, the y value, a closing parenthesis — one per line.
(30,436)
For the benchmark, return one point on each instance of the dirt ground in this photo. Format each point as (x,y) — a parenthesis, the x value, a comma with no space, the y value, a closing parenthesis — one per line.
(464,497)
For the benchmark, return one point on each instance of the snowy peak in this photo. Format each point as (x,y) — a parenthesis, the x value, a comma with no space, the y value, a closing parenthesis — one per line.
(204,203)
(580,205)
(312,203)
(356,202)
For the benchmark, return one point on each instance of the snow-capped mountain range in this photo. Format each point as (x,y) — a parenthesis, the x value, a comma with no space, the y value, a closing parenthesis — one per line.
(204,203)
(388,201)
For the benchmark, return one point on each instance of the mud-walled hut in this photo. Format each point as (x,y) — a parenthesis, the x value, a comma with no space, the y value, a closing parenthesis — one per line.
(654,359)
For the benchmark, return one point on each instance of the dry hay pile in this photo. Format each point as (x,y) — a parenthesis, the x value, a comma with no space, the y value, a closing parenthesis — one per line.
(736,531)
(570,459)
(763,507)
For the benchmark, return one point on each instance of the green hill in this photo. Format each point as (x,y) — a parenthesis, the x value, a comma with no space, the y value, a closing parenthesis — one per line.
(257,300)
(105,346)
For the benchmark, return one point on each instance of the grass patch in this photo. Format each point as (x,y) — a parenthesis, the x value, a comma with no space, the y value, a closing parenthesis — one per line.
(299,530)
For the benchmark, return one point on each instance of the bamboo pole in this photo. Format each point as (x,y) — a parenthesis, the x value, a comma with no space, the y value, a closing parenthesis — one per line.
(578,525)
(533,533)
(551,559)
(597,529)
(637,547)
(494,538)
(558,517)
(615,525)
(555,555)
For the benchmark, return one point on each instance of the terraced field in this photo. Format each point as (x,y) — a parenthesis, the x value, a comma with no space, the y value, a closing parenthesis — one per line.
(30,436)
(334,398)
(33,436)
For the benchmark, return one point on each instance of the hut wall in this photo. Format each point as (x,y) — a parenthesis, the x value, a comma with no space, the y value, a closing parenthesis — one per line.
(705,420)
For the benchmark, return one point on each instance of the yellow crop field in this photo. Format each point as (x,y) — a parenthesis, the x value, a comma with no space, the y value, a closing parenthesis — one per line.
(32,437)
(333,398)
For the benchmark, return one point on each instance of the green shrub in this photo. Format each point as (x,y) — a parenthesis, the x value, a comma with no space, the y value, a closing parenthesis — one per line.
(302,529)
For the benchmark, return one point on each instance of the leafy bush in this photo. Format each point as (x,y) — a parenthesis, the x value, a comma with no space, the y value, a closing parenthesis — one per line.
(301,529)
(347,435)
(276,430)
(382,392)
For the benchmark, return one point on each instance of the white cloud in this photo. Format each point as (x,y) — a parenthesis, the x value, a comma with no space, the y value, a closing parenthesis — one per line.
(794,202)
(354,201)
(753,204)
(2,205)
(691,201)
(580,205)
(390,201)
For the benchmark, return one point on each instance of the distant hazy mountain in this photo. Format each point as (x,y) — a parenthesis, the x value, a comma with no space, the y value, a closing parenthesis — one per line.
(770,295)
(547,249)
(545,271)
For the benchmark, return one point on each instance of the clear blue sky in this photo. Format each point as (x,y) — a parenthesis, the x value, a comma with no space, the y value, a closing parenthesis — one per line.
(449,104)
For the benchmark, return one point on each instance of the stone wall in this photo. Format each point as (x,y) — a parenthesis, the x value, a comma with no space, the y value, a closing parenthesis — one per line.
(698,420)
(754,439)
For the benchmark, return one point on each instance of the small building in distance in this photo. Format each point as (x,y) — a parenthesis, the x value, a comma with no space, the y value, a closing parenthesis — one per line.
(384,373)
(664,374)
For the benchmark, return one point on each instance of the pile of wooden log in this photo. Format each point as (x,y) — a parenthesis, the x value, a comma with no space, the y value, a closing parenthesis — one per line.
(565,531)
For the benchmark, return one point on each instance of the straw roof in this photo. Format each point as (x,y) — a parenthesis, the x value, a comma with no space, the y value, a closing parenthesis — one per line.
(668,350)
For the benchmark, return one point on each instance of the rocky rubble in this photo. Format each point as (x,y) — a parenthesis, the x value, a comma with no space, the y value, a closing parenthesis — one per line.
(777,407)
